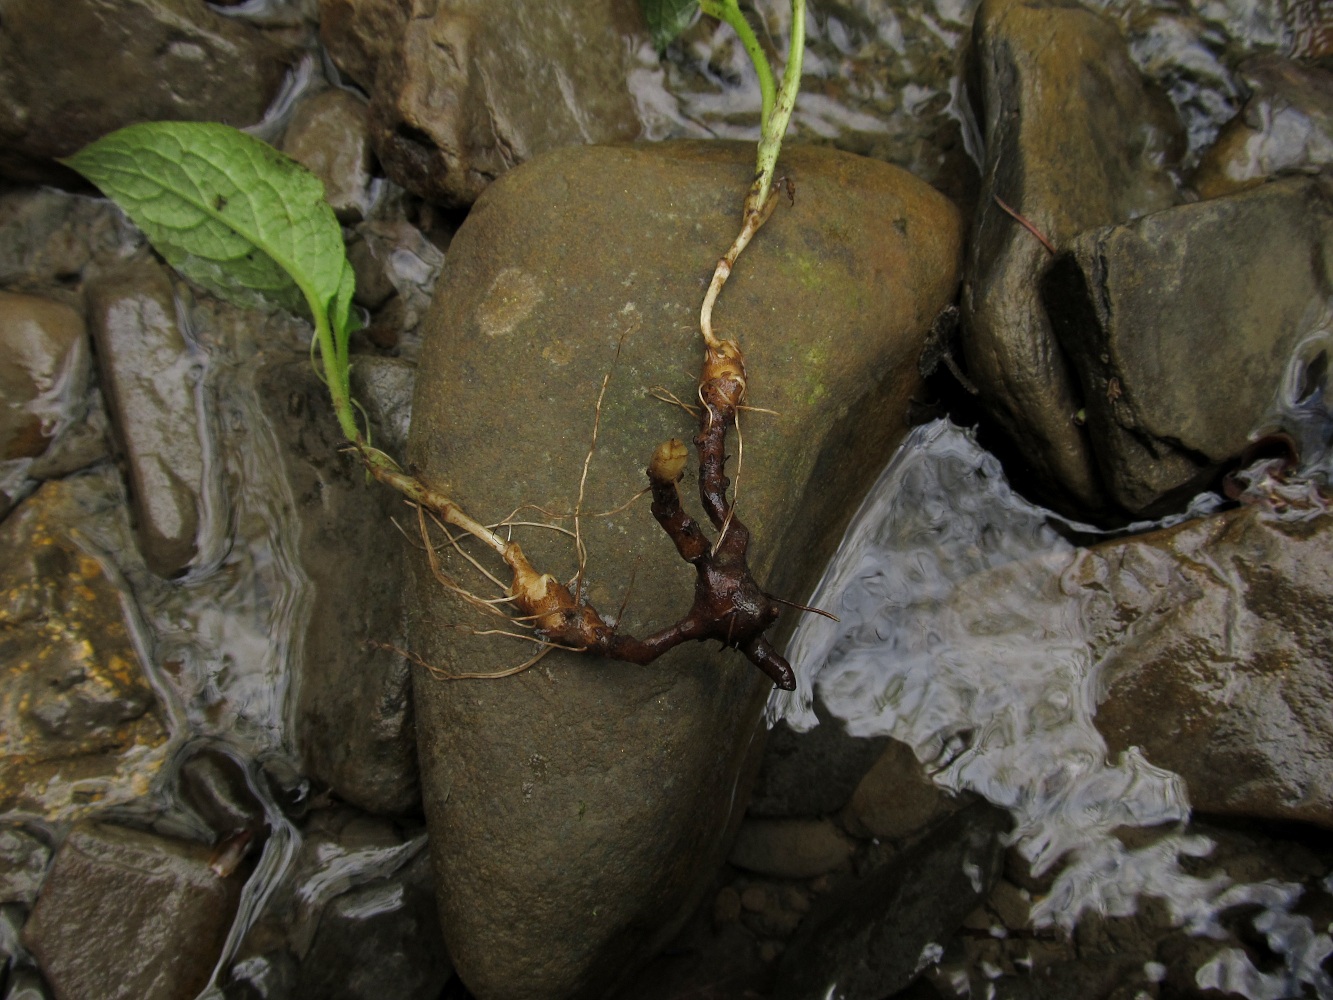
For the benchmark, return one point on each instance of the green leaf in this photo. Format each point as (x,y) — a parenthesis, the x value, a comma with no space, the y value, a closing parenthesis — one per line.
(228,211)
(667,19)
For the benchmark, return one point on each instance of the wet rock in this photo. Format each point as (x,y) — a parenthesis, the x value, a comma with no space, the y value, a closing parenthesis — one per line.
(1222,626)
(790,848)
(329,135)
(1073,140)
(409,262)
(48,237)
(353,705)
(81,722)
(1286,125)
(106,63)
(462,90)
(151,377)
(895,800)
(43,372)
(26,984)
(23,860)
(126,914)
(812,773)
(869,940)
(577,809)
(213,786)
(1180,326)
(354,920)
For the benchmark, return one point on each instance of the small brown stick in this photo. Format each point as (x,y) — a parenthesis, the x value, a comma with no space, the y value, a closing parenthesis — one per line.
(1025,224)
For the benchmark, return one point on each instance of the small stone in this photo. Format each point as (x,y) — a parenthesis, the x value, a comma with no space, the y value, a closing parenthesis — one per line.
(151,377)
(726,907)
(329,135)
(126,915)
(769,951)
(44,366)
(895,800)
(23,860)
(1011,904)
(790,848)
(214,786)
(757,898)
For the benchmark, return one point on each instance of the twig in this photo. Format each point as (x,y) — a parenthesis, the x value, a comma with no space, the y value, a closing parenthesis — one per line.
(1026,225)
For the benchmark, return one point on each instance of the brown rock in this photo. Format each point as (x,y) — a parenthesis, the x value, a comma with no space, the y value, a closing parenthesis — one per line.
(1073,140)
(895,800)
(578,810)
(790,848)
(102,64)
(43,372)
(329,135)
(151,379)
(463,90)
(1215,636)
(126,915)
(81,722)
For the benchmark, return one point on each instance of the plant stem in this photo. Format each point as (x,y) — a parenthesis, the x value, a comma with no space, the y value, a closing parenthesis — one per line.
(730,12)
(335,373)
(775,125)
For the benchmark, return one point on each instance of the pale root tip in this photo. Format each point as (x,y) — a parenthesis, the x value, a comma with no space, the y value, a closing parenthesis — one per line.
(668,462)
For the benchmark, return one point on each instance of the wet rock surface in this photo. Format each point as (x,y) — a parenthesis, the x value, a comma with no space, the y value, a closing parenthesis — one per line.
(1055,86)
(44,375)
(103,64)
(1221,624)
(462,91)
(353,704)
(329,135)
(152,378)
(1286,125)
(127,914)
(82,725)
(1181,325)
(354,920)
(536,787)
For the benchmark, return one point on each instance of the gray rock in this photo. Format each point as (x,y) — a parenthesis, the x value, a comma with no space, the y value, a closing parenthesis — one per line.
(1287,125)
(102,64)
(1073,140)
(1181,326)
(44,367)
(76,703)
(868,940)
(790,848)
(23,861)
(577,810)
(1222,625)
(48,237)
(353,704)
(126,915)
(329,135)
(463,90)
(151,377)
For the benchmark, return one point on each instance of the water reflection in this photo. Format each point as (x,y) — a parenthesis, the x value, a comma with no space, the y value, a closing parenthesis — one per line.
(965,634)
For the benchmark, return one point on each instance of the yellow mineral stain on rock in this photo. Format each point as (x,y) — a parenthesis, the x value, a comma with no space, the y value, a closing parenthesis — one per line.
(82,727)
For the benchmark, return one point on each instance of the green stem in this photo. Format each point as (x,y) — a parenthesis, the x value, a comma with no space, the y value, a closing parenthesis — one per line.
(775,126)
(335,372)
(730,12)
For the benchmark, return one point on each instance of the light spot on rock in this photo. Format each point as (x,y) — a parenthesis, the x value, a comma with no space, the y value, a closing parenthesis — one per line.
(512,296)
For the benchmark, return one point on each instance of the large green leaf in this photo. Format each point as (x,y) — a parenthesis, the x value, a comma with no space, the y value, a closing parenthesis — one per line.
(227,211)
(668,18)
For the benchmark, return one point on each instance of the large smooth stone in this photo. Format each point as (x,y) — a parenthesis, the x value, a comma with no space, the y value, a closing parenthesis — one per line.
(577,811)
(1181,326)
(1074,139)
